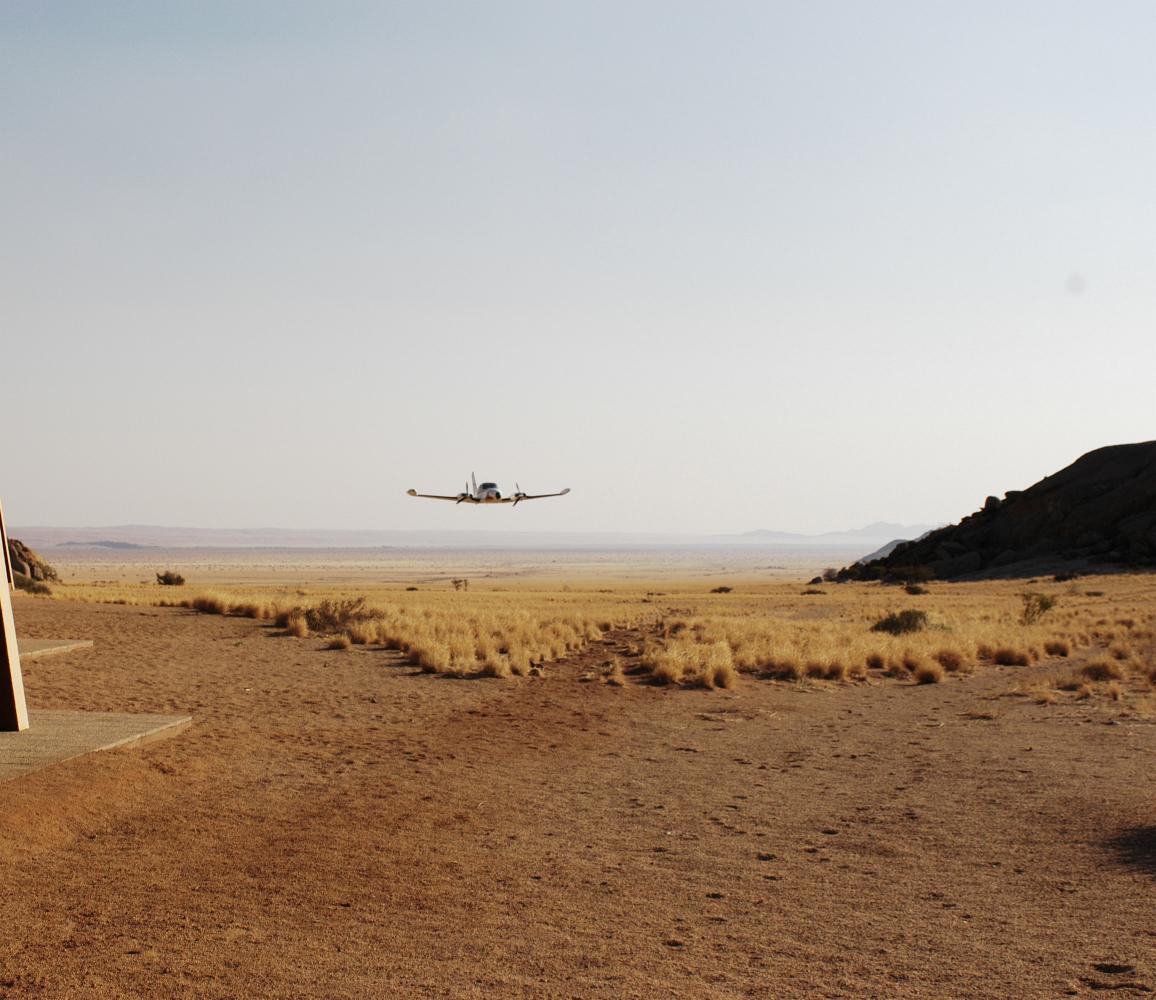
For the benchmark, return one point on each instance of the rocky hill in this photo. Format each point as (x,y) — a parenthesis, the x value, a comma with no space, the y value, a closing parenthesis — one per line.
(27,563)
(1100,511)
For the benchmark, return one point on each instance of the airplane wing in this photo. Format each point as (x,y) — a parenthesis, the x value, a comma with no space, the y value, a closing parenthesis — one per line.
(436,496)
(540,496)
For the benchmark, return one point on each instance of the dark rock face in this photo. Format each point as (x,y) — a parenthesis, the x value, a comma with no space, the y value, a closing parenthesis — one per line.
(1100,509)
(27,563)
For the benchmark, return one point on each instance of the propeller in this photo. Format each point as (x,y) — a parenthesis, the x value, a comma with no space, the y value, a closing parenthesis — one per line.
(518,494)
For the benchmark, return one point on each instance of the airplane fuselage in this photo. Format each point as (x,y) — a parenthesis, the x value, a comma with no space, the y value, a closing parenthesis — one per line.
(488,493)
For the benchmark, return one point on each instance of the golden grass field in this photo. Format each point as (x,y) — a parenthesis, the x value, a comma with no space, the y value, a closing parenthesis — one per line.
(591,785)
(757,630)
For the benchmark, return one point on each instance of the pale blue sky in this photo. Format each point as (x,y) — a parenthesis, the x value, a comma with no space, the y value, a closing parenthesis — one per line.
(716,266)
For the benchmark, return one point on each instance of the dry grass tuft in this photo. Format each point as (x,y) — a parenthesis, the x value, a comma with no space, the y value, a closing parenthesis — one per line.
(1057,647)
(950,659)
(1102,670)
(339,642)
(875,661)
(209,604)
(363,632)
(929,673)
(785,668)
(296,625)
(896,667)
(912,661)
(1010,656)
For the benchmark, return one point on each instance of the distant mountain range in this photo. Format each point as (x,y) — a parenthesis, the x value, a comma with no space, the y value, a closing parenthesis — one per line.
(886,532)
(132,536)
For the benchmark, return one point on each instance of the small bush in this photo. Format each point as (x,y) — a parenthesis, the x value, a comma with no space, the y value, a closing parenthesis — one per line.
(1120,651)
(1036,605)
(875,661)
(339,642)
(30,586)
(1008,656)
(330,615)
(614,675)
(915,589)
(1102,670)
(410,589)
(721,590)
(170,579)
(902,622)
(1057,647)
(1093,593)
(813,591)
(830,574)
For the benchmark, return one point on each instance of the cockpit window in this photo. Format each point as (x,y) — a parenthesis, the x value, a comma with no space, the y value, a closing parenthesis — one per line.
(488,486)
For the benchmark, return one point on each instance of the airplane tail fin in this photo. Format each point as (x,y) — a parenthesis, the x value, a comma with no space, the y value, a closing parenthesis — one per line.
(474,484)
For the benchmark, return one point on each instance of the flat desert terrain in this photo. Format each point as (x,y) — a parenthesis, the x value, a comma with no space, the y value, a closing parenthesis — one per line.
(383,821)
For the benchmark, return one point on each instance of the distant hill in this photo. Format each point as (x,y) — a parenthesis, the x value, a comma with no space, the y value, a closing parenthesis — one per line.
(1099,511)
(891,546)
(104,544)
(881,532)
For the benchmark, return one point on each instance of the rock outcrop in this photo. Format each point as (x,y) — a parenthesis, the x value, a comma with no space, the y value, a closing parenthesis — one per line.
(1099,511)
(27,563)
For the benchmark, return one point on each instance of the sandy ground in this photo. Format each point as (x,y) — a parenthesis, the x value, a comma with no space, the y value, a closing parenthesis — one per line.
(336,826)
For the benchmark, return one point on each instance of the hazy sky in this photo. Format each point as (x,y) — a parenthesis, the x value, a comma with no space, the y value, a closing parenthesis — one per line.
(715,266)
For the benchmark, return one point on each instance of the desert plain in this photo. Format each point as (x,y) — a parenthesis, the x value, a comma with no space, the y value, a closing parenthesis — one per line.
(692,777)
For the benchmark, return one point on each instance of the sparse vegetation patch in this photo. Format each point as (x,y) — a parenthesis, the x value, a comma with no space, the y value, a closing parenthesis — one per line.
(902,622)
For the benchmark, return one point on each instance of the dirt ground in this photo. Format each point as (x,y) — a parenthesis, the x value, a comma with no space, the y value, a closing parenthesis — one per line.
(335,825)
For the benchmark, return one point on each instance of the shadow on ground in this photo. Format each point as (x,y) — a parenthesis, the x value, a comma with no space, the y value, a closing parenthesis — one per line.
(1136,848)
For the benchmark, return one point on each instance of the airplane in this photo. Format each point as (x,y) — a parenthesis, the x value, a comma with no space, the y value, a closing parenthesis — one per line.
(487,493)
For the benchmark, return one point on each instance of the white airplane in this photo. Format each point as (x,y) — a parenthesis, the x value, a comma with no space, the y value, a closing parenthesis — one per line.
(487,493)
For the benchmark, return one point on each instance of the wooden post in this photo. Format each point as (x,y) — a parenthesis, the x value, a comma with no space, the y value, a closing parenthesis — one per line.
(7,555)
(13,710)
